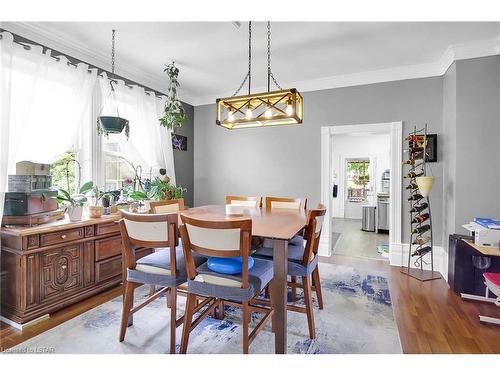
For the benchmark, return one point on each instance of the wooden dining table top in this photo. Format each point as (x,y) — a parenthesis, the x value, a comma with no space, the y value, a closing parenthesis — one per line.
(282,224)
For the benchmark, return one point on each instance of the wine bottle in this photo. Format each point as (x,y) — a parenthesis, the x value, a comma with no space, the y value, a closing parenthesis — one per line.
(416,149)
(419,207)
(420,218)
(415,138)
(422,229)
(415,197)
(421,240)
(413,174)
(412,186)
(421,251)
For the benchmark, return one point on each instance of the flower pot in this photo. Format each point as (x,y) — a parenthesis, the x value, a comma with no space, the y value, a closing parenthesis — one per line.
(425,185)
(75,213)
(95,211)
(112,124)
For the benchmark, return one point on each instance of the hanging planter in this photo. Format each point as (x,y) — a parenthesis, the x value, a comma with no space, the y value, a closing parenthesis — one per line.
(174,114)
(112,124)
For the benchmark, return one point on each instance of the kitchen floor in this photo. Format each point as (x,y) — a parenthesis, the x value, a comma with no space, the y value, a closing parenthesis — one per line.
(357,243)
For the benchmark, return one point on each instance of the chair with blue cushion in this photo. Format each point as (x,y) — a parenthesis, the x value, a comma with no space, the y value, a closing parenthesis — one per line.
(164,268)
(303,263)
(224,240)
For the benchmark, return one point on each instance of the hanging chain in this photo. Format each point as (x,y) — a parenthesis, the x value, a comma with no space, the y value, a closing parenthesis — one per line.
(269,71)
(113,51)
(248,76)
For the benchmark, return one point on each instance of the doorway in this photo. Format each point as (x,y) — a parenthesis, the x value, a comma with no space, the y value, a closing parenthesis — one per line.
(358,171)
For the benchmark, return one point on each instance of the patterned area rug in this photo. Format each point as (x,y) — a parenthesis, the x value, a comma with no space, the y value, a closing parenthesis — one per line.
(357,318)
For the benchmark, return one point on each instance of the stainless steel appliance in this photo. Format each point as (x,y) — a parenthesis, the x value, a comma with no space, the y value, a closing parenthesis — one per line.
(386,181)
(368,219)
(383,212)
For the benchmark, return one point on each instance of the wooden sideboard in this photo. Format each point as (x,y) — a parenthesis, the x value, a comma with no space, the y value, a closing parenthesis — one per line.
(50,266)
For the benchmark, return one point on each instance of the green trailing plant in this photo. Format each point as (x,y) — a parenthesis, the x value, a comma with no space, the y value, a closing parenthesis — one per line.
(75,200)
(157,190)
(174,114)
(97,194)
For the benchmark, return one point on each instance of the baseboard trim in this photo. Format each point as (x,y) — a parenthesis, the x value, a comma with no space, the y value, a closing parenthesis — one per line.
(398,256)
(21,326)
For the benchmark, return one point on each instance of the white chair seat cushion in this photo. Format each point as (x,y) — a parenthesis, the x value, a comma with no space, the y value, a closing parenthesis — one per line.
(152,269)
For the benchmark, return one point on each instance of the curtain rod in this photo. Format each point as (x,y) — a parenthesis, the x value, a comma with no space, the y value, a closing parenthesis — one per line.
(73,61)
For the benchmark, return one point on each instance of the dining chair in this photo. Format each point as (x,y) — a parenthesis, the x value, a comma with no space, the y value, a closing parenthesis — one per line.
(241,200)
(223,239)
(303,262)
(166,206)
(291,204)
(164,267)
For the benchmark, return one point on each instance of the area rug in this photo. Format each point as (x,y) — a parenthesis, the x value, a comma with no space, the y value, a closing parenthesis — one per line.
(357,318)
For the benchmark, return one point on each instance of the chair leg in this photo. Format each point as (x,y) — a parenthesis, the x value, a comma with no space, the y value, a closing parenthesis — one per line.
(188,317)
(152,290)
(317,287)
(128,302)
(309,307)
(173,317)
(294,289)
(220,310)
(246,321)
(271,302)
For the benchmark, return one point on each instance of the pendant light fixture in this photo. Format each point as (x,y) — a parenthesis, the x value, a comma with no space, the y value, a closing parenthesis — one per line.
(281,107)
(112,124)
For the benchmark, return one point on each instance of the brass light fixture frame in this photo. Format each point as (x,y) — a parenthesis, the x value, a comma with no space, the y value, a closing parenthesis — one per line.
(285,106)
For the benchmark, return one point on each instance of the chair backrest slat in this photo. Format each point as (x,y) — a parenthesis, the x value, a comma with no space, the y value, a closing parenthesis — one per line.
(286,203)
(241,200)
(315,219)
(167,206)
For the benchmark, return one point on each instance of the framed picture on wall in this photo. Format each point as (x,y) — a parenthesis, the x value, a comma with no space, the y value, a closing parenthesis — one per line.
(431,149)
(179,142)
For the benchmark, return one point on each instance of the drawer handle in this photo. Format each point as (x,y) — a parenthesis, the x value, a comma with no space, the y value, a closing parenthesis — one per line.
(63,236)
(64,266)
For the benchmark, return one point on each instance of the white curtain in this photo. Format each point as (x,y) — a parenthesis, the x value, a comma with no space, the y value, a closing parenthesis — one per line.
(150,144)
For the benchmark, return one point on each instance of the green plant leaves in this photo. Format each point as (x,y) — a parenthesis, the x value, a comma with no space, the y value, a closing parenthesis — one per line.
(86,187)
(174,114)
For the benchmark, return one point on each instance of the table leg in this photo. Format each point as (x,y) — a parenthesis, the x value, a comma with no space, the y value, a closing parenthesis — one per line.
(280,260)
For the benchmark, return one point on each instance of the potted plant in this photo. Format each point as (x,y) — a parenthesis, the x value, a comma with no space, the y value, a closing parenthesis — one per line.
(173,114)
(95,210)
(74,203)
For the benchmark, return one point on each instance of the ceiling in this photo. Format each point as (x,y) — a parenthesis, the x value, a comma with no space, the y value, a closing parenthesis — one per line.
(212,56)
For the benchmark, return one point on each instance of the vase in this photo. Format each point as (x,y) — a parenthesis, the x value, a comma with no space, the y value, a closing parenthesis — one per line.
(95,212)
(425,185)
(75,213)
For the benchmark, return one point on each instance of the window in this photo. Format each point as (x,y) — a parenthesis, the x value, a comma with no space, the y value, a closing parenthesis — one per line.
(116,167)
(63,174)
(358,179)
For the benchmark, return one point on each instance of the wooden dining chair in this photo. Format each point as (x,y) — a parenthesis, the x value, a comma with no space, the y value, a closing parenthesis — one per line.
(241,200)
(164,267)
(303,263)
(287,203)
(166,206)
(223,239)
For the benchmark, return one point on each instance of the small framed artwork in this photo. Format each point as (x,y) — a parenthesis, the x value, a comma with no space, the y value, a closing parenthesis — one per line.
(179,142)
(431,149)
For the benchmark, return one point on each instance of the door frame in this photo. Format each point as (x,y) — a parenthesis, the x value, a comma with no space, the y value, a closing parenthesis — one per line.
(395,129)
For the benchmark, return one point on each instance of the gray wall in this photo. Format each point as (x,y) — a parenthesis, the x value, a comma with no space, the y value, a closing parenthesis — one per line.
(477,139)
(286,160)
(183,160)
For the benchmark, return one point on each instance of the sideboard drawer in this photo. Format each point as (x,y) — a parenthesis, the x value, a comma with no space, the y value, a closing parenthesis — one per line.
(106,228)
(61,236)
(108,269)
(108,247)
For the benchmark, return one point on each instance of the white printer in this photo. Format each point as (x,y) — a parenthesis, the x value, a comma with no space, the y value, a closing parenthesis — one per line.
(486,231)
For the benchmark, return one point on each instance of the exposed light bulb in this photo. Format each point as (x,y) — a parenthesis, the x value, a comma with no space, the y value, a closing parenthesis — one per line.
(248,114)
(289,108)
(230,117)
(269,112)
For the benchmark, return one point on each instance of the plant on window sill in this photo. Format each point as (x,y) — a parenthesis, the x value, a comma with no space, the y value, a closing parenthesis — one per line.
(174,114)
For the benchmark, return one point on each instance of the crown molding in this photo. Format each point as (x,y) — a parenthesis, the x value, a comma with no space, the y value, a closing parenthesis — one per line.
(41,35)
(452,53)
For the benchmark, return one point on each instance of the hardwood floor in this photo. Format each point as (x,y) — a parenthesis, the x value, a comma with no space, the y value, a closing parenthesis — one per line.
(430,317)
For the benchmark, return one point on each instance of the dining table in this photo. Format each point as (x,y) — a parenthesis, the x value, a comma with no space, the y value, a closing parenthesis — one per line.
(279,225)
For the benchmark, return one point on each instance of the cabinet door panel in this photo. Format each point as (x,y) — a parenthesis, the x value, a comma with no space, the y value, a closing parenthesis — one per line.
(61,271)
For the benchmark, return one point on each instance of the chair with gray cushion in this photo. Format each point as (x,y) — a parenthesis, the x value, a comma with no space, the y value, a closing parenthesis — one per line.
(222,239)
(165,267)
(303,263)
